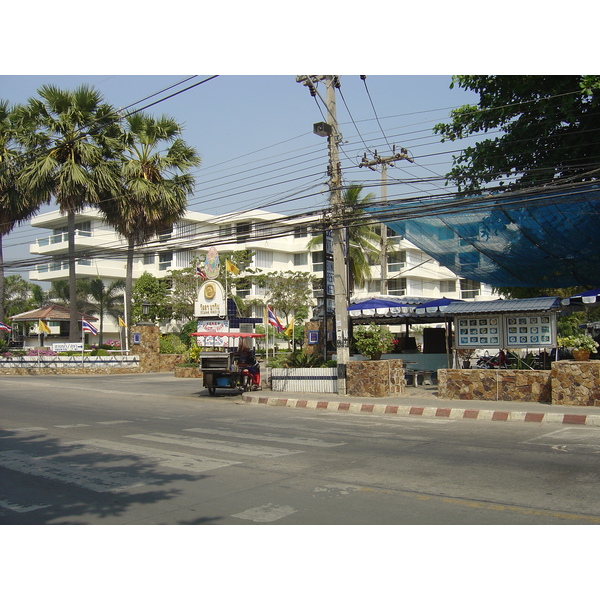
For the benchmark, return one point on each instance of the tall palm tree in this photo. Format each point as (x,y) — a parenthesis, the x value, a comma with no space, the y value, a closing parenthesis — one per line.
(363,242)
(103,300)
(72,140)
(155,185)
(16,206)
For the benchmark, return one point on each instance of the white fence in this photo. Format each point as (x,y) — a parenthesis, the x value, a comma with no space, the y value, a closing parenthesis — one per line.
(55,362)
(305,380)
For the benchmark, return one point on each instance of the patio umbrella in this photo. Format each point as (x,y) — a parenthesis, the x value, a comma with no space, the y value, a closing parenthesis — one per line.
(591,297)
(439,304)
(377,306)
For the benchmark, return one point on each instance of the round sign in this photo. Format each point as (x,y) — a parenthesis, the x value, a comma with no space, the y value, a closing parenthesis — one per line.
(209,291)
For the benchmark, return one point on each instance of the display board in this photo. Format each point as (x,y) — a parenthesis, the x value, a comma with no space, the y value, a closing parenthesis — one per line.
(506,331)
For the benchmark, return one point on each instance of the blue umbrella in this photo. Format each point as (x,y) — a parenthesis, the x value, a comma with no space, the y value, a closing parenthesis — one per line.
(374,303)
(590,297)
(439,304)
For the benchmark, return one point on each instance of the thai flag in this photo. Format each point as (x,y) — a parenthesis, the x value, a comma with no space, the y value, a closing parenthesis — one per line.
(88,327)
(273,320)
(201,273)
(4,327)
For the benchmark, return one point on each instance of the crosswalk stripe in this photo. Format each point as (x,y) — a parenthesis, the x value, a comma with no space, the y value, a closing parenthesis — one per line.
(97,480)
(18,508)
(167,458)
(268,437)
(204,444)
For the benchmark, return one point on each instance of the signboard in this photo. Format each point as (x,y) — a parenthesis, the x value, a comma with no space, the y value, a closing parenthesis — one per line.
(213,326)
(211,300)
(506,331)
(67,346)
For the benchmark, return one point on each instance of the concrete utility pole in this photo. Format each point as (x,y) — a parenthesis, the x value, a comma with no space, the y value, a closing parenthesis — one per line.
(384,162)
(330,129)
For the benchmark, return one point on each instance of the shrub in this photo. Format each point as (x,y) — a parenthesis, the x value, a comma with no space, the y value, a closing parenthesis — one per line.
(171,344)
(99,352)
(373,340)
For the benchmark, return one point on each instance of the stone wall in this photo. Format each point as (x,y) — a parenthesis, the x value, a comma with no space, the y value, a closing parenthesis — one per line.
(159,363)
(375,378)
(576,382)
(495,384)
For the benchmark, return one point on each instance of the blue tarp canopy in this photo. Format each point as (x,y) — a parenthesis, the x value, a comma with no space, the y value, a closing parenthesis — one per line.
(547,238)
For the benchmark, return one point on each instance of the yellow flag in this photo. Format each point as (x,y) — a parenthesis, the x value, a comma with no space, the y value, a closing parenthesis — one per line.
(290,328)
(229,266)
(43,327)
(121,323)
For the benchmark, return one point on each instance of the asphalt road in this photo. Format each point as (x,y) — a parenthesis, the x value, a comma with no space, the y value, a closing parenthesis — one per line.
(153,449)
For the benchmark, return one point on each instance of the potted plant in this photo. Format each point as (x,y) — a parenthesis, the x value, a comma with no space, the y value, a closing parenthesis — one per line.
(372,341)
(581,345)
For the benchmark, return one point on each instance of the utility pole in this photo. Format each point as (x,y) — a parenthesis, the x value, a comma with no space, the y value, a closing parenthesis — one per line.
(384,162)
(330,129)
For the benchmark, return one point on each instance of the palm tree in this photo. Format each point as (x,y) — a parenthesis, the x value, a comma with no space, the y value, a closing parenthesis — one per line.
(103,300)
(155,185)
(15,205)
(71,137)
(363,242)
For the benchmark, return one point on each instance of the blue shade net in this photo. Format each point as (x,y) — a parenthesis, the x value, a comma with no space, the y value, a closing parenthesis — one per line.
(548,238)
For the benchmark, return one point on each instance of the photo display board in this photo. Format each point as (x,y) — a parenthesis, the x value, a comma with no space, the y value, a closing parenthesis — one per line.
(506,331)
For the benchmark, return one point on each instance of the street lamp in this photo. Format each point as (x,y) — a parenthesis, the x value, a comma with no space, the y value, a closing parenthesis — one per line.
(145,313)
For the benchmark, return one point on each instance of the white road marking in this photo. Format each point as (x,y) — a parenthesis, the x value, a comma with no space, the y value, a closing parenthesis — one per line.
(113,422)
(71,426)
(26,429)
(266,514)
(22,509)
(167,458)
(97,480)
(227,447)
(268,437)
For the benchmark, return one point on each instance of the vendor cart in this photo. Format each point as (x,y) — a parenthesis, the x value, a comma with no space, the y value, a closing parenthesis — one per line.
(233,367)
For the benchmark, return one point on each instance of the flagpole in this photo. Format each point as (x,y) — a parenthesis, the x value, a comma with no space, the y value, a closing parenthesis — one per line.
(82,344)
(126,321)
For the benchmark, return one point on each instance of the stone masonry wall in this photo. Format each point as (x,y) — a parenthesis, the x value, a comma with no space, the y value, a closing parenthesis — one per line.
(375,378)
(495,384)
(576,382)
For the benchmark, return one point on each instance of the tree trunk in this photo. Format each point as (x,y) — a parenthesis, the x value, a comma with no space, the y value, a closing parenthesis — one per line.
(74,331)
(2,287)
(129,288)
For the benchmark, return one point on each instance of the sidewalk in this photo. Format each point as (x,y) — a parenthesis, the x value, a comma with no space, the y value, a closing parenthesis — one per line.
(424,402)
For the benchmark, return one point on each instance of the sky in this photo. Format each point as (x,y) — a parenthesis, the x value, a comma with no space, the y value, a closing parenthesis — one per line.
(254,134)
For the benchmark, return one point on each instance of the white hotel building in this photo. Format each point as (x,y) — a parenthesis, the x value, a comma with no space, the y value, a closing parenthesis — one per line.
(278,242)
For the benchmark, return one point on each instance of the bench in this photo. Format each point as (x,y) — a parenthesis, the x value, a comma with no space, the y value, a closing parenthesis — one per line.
(415,374)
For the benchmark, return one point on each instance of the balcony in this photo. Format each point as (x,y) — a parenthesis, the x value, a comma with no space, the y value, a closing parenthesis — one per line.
(59,243)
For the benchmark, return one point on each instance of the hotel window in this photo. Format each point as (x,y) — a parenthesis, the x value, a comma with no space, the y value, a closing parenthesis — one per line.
(469,289)
(242,231)
(263,259)
(164,260)
(397,287)
(317,261)
(301,260)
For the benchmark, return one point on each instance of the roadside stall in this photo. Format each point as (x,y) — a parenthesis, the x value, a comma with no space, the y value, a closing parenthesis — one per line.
(232,363)
(500,328)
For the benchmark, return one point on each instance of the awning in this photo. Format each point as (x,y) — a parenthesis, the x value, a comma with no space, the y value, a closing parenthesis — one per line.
(525,305)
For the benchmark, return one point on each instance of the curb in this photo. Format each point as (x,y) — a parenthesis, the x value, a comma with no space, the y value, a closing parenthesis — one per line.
(423,411)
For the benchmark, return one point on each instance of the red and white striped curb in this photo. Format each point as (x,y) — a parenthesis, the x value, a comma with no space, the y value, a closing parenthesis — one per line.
(432,411)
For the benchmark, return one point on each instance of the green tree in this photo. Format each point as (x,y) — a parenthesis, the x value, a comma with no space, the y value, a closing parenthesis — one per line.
(364,244)
(20,295)
(155,184)
(70,138)
(540,127)
(16,205)
(59,293)
(103,300)
(154,291)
